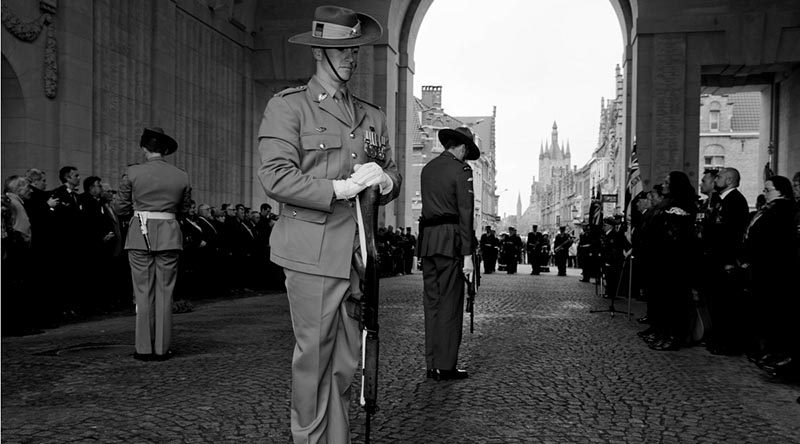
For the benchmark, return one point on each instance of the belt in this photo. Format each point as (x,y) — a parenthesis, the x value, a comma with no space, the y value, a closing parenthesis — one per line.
(438,220)
(154,215)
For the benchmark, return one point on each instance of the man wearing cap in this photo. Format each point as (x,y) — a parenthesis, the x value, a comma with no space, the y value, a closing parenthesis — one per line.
(320,146)
(153,192)
(446,245)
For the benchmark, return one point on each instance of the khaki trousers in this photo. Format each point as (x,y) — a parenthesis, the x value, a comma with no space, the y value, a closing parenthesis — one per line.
(153,276)
(325,356)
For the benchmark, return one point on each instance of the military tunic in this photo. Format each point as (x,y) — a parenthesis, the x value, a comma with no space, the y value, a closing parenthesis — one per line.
(446,236)
(307,139)
(155,186)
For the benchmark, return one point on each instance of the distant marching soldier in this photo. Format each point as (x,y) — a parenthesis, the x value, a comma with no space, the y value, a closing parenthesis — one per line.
(532,249)
(446,247)
(153,192)
(562,243)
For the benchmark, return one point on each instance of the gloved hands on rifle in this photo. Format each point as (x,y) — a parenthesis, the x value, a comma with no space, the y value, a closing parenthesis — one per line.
(469,267)
(347,188)
(364,176)
(372,174)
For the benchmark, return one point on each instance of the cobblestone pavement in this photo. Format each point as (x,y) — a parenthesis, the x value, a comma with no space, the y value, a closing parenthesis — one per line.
(542,370)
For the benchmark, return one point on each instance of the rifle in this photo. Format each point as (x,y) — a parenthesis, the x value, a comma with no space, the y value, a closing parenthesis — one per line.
(368,202)
(472,292)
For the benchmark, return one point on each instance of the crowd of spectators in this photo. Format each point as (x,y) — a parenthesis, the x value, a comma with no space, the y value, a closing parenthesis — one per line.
(63,254)
(715,273)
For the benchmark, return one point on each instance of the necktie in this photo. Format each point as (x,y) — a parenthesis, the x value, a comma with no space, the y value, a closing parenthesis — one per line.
(344,105)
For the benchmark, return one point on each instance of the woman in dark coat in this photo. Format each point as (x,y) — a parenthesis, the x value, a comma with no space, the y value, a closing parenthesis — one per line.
(672,257)
(769,254)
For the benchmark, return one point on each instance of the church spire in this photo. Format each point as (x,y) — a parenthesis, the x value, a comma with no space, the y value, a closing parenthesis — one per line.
(568,154)
(519,206)
(554,145)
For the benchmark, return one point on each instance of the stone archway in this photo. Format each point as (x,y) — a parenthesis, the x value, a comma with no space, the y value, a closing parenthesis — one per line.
(15,150)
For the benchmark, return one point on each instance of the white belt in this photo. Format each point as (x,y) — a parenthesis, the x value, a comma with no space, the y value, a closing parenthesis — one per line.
(154,215)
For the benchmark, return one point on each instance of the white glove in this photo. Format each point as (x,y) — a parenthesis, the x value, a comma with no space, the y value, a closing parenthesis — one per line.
(347,188)
(372,174)
(469,267)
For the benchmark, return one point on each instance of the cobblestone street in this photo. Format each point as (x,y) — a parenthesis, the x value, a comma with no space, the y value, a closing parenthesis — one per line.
(542,369)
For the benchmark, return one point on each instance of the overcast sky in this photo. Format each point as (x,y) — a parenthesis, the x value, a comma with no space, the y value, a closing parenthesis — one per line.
(538,61)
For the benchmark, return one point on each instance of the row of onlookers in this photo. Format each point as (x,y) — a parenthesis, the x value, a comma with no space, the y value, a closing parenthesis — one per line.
(714,272)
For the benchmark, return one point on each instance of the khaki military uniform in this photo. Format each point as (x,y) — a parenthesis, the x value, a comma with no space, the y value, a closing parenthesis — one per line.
(307,139)
(154,186)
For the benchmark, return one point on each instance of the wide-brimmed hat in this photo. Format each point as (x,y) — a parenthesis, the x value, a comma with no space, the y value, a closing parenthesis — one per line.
(461,135)
(338,27)
(164,144)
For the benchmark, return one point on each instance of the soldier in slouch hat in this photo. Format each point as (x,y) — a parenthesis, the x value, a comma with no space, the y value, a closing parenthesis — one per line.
(320,146)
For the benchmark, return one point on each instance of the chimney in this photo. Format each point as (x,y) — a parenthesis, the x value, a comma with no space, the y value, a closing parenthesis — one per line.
(432,96)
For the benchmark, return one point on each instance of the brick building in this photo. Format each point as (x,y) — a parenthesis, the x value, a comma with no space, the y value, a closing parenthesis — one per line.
(730,136)
(429,118)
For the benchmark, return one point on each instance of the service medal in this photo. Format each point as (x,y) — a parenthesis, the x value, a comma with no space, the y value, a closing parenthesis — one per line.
(375,147)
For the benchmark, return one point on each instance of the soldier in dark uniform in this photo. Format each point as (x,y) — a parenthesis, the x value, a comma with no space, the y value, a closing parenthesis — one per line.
(446,248)
(153,193)
(561,250)
(512,249)
(489,250)
(408,252)
(532,249)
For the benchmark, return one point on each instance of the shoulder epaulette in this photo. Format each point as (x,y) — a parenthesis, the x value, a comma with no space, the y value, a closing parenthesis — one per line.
(370,104)
(287,91)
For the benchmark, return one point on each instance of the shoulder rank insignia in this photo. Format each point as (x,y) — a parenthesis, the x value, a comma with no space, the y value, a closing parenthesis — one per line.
(292,90)
(467,168)
(375,147)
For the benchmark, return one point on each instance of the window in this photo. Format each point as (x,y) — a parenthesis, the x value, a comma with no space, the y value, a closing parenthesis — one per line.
(713,157)
(713,116)
(714,162)
(713,120)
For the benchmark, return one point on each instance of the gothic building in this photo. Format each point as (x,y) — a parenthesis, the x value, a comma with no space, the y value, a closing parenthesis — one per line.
(553,189)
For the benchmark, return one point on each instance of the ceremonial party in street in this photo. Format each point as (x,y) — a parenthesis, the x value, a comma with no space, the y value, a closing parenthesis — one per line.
(260,221)
(543,369)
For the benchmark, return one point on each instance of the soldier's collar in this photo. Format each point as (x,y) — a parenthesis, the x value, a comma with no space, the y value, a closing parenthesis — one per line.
(321,90)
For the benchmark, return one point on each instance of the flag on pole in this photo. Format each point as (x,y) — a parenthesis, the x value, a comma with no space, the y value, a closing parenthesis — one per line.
(634,179)
(596,209)
(634,185)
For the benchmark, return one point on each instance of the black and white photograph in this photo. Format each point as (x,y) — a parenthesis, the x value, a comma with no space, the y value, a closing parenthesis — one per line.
(400,221)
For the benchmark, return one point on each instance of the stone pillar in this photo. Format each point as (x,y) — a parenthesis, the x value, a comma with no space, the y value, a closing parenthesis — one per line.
(665,106)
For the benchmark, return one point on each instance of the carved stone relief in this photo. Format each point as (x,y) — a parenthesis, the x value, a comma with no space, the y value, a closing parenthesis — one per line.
(30,31)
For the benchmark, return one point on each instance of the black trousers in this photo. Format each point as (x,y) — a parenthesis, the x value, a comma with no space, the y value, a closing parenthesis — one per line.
(561,263)
(444,310)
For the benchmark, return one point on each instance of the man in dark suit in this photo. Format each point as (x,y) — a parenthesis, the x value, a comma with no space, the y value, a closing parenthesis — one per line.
(725,239)
(446,248)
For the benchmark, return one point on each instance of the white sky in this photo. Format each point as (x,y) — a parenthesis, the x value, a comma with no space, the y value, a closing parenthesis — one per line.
(538,61)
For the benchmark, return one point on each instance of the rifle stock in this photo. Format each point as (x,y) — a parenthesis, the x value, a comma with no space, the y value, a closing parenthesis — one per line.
(369,201)
(472,291)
